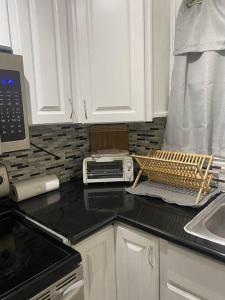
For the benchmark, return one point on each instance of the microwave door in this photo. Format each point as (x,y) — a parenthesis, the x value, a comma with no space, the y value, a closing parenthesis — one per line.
(13,117)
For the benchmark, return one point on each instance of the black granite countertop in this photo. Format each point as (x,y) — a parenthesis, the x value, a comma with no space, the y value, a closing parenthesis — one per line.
(76,211)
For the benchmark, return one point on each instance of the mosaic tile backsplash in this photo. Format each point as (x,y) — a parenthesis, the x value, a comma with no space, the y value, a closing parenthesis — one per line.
(71,144)
(146,136)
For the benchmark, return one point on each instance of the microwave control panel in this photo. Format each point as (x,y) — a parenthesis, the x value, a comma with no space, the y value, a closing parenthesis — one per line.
(11,107)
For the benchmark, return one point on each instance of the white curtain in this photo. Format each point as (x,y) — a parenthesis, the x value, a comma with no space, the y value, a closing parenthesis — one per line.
(196,115)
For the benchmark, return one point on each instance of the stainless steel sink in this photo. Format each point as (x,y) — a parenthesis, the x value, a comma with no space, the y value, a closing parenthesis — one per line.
(209,224)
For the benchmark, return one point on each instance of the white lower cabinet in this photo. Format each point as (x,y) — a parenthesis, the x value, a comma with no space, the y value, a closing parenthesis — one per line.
(136,260)
(122,263)
(98,259)
(188,275)
(137,265)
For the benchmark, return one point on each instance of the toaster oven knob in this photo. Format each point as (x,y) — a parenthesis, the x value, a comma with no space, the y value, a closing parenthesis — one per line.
(129,176)
(129,165)
(1,179)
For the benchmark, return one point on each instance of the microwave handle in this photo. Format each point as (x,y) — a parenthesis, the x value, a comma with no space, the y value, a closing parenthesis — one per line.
(74,290)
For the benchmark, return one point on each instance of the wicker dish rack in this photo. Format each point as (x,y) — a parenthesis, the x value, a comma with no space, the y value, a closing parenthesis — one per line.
(179,169)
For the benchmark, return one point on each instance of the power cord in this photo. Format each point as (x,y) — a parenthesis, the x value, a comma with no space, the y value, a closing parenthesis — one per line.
(46,151)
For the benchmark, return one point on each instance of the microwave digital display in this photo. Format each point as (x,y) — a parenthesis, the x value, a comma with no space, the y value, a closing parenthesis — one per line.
(7,81)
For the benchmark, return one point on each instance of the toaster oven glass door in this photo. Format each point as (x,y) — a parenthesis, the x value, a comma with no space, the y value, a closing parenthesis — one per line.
(111,169)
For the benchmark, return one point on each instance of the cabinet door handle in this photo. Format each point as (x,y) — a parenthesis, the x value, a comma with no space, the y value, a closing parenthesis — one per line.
(85,110)
(150,256)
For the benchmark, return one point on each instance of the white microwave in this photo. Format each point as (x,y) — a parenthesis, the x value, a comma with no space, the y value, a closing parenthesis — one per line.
(110,168)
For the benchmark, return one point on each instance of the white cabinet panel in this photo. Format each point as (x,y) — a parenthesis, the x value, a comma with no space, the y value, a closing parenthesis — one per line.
(5,39)
(137,265)
(164,18)
(110,47)
(188,275)
(161,56)
(174,9)
(98,260)
(40,33)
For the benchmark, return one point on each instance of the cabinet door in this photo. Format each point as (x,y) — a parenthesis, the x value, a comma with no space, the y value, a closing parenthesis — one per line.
(4,25)
(39,32)
(188,275)
(163,29)
(137,265)
(161,56)
(110,48)
(98,260)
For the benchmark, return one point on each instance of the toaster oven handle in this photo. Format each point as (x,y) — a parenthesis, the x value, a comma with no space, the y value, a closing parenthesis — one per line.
(104,159)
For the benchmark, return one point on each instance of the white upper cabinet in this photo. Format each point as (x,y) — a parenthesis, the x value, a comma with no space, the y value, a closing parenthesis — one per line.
(5,39)
(108,37)
(39,32)
(92,61)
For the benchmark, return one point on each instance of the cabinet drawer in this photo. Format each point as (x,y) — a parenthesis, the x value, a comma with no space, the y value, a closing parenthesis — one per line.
(189,275)
(175,292)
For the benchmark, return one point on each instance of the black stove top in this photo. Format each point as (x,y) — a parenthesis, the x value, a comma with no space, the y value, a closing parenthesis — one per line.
(30,260)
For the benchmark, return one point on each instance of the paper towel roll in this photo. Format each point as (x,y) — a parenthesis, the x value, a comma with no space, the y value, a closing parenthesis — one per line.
(32,187)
